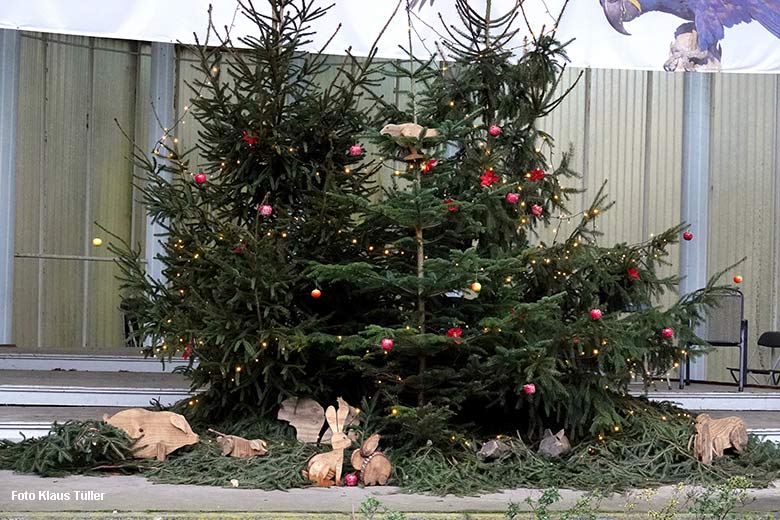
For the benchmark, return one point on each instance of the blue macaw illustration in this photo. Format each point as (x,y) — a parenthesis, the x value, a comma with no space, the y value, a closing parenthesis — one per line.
(698,40)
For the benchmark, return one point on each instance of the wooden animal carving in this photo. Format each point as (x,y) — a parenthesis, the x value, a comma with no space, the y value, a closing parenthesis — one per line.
(405,134)
(372,465)
(161,433)
(303,414)
(493,450)
(325,469)
(554,445)
(307,417)
(714,436)
(240,447)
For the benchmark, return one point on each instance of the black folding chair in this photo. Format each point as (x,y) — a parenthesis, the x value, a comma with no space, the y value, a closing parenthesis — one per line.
(724,325)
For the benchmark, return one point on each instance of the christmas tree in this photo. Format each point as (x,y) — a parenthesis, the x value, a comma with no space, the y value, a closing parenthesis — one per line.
(290,271)
(484,327)
(277,141)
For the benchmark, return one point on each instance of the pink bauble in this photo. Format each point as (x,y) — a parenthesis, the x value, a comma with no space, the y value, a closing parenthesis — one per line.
(266,210)
(387,344)
(667,333)
(350,479)
(529,389)
(512,198)
(200,178)
(494,130)
(355,150)
(595,314)
(688,236)
(536,210)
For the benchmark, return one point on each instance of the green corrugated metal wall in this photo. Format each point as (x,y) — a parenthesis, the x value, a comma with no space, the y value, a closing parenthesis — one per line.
(624,126)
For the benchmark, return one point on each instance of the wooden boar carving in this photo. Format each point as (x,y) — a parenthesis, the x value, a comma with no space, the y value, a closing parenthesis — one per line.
(160,433)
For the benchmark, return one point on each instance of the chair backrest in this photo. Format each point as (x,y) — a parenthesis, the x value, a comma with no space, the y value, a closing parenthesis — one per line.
(770,339)
(722,326)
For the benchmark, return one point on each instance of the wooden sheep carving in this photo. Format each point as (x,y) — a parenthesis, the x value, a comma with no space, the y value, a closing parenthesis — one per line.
(161,433)
(713,436)
(240,447)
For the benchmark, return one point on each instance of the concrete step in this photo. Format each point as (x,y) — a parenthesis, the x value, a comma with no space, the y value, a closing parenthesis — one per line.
(103,389)
(130,362)
(703,396)
(19,422)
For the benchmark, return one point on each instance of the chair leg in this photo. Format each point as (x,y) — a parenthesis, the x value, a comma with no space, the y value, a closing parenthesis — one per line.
(743,356)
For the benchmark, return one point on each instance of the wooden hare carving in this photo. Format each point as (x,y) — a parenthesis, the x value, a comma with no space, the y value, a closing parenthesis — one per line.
(325,469)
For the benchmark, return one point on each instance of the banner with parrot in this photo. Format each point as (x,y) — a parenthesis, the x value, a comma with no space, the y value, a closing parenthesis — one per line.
(672,35)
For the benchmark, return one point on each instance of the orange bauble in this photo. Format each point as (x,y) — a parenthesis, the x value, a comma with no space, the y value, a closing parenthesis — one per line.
(738,279)
(316,293)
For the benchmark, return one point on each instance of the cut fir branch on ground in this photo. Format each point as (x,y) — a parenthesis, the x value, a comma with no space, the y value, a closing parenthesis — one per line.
(649,451)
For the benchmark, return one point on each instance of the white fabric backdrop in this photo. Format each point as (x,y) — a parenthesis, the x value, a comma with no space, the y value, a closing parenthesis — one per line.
(746,47)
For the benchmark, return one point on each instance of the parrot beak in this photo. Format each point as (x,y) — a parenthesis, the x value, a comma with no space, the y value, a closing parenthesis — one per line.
(619,11)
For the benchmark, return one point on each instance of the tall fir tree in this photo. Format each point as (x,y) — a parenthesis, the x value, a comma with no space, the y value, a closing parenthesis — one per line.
(276,140)
(484,329)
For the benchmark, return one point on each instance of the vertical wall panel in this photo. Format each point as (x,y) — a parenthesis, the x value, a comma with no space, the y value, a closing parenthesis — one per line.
(111,183)
(743,203)
(616,148)
(141,124)
(29,166)
(663,164)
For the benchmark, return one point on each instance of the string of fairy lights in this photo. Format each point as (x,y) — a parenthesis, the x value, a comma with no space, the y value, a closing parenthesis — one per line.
(167,147)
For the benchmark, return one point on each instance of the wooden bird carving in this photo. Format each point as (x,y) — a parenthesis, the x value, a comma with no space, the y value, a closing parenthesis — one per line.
(408,135)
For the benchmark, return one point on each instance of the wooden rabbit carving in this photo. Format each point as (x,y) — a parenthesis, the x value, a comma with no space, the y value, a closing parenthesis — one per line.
(325,469)
(373,466)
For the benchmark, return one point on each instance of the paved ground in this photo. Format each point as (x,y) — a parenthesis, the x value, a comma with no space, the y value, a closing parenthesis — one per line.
(26,493)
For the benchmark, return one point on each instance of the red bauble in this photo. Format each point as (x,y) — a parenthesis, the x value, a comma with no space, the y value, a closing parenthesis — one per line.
(688,236)
(351,479)
(316,293)
(512,198)
(595,314)
(494,130)
(200,178)
(632,273)
(387,344)
(187,351)
(529,388)
(738,279)
(667,333)
(355,150)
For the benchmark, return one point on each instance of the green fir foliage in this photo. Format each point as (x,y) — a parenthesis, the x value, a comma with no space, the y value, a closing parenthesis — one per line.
(443,257)
(70,447)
